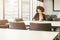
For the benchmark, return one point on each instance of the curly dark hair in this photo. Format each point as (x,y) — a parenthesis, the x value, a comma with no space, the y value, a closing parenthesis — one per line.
(41,8)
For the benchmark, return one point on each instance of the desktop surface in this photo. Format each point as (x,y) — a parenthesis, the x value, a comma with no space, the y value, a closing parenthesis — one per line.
(13,34)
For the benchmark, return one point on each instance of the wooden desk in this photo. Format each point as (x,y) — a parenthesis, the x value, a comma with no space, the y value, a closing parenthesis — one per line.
(54,24)
(12,34)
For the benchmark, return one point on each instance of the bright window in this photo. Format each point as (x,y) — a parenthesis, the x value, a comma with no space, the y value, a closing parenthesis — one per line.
(26,10)
(11,9)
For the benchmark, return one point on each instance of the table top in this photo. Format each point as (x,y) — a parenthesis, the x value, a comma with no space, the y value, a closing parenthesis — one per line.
(53,23)
(12,34)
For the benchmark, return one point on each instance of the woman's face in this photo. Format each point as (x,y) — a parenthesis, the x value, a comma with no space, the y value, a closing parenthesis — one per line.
(39,11)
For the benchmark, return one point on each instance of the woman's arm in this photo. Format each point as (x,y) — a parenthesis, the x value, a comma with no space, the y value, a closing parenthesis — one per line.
(34,18)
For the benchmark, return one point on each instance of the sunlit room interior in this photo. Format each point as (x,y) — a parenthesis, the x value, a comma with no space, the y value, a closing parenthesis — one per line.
(22,20)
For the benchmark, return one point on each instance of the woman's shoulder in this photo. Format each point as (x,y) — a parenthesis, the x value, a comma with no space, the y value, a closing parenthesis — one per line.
(36,14)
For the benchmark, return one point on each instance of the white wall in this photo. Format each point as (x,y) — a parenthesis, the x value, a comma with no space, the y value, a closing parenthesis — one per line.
(48,5)
(1,9)
(19,8)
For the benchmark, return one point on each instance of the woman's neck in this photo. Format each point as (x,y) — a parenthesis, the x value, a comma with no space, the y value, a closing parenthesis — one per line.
(40,13)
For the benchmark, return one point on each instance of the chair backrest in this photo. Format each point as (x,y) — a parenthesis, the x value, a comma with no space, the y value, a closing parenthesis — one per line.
(40,26)
(18,19)
(2,22)
(56,19)
(53,16)
(48,18)
(16,25)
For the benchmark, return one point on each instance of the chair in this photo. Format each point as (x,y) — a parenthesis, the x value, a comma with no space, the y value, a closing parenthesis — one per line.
(53,16)
(3,24)
(40,26)
(17,25)
(56,19)
(18,19)
(48,18)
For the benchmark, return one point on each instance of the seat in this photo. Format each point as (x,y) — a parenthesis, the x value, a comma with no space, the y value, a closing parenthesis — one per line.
(53,16)
(18,19)
(48,18)
(40,26)
(56,19)
(17,25)
(3,24)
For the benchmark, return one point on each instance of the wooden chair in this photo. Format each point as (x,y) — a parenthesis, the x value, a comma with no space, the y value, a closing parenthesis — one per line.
(56,19)
(3,24)
(18,19)
(40,26)
(17,25)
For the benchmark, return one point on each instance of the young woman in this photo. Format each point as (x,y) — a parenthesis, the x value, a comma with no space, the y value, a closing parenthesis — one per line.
(39,16)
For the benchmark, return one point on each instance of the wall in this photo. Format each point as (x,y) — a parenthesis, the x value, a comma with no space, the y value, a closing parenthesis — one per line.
(48,5)
(1,9)
(20,9)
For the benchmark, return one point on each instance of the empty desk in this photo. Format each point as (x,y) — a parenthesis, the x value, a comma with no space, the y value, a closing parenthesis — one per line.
(12,34)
